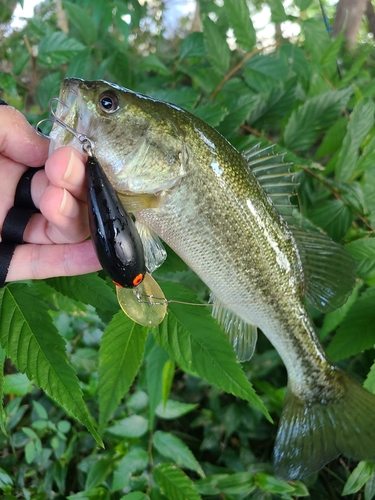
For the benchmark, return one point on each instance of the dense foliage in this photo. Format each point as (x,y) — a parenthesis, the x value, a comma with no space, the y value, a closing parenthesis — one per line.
(177,414)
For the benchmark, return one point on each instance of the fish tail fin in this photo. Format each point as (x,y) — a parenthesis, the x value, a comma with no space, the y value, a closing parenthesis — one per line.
(312,434)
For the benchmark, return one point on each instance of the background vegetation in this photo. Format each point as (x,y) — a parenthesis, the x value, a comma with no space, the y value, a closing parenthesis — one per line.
(168,432)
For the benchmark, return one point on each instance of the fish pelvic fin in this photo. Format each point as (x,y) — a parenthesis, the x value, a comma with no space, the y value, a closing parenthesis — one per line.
(312,434)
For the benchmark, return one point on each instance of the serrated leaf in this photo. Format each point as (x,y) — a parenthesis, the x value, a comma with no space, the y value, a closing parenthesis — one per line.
(173,483)
(57,48)
(167,379)
(98,472)
(216,45)
(135,462)
(314,116)
(121,354)
(357,332)
(172,447)
(360,122)
(82,21)
(334,318)
(17,384)
(8,83)
(369,383)
(156,360)
(35,347)
(277,11)
(87,288)
(197,344)
(193,46)
(48,87)
(263,73)
(358,477)
(363,250)
(271,484)
(174,409)
(239,483)
(334,217)
(239,19)
(130,427)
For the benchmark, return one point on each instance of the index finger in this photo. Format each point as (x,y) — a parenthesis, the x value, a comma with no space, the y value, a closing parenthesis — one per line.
(19,141)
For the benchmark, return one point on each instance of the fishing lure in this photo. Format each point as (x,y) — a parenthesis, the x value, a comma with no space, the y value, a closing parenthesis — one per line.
(113,232)
(116,240)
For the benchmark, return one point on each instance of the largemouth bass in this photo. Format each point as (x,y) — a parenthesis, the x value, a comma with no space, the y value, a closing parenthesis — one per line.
(220,211)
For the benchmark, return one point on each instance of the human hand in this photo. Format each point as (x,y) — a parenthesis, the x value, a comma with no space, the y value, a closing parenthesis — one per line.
(55,238)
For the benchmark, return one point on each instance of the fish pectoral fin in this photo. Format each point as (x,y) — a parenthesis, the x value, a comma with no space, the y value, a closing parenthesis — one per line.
(137,202)
(312,434)
(154,251)
(329,270)
(242,335)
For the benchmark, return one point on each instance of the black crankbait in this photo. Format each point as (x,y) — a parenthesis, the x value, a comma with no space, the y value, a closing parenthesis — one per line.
(113,232)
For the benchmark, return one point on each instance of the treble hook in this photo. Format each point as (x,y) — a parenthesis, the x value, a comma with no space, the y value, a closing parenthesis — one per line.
(85,142)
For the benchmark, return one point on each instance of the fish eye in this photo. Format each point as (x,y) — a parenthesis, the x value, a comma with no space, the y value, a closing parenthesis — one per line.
(108,102)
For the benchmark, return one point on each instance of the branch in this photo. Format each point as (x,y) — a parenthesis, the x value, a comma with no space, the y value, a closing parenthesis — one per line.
(234,70)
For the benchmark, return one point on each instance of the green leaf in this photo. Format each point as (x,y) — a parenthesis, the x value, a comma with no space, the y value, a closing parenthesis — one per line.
(358,477)
(82,22)
(98,472)
(130,427)
(357,332)
(173,448)
(211,113)
(35,347)
(363,250)
(58,48)
(238,15)
(277,11)
(173,483)
(156,360)
(314,116)
(264,73)
(269,483)
(193,46)
(153,63)
(360,122)
(135,462)
(87,288)
(217,48)
(48,87)
(370,488)
(5,480)
(135,495)
(8,83)
(100,493)
(17,384)
(239,483)
(121,354)
(333,319)
(369,383)
(303,4)
(167,379)
(334,217)
(198,345)
(174,409)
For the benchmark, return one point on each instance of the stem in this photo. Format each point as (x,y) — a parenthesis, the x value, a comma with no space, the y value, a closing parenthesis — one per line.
(234,70)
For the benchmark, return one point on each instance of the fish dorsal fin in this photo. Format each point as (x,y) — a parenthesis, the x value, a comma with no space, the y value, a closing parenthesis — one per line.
(329,270)
(242,335)
(274,175)
(153,248)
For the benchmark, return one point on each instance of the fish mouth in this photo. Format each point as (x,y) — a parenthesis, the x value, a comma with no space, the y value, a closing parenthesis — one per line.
(70,112)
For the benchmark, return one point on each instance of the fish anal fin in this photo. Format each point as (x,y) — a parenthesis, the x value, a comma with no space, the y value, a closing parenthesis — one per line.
(329,270)
(242,335)
(312,434)
(154,251)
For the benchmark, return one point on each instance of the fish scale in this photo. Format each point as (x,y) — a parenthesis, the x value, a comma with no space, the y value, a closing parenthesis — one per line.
(215,208)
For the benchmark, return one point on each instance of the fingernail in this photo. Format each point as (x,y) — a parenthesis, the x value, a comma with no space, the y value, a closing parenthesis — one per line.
(69,168)
(63,202)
